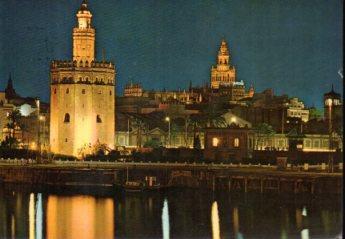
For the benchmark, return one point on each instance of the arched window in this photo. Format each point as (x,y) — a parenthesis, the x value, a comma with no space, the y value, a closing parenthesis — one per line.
(67,91)
(236,142)
(110,93)
(215,142)
(83,91)
(98,119)
(55,91)
(67,118)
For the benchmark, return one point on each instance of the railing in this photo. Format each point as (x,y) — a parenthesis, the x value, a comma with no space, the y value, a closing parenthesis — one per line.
(300,167)
(16,161)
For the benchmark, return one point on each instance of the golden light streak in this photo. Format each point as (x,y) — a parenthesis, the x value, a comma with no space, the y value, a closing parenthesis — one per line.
(80,217)
(32,216)
(215,221)
(236,221)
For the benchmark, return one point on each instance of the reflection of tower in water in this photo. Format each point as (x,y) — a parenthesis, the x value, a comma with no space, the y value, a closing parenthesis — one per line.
(80,217)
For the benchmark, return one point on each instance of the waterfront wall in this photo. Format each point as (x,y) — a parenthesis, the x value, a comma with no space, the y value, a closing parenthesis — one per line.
(224,179)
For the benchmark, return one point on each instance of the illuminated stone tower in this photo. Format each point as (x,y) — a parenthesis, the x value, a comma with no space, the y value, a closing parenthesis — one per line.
(223,73)
(82,97)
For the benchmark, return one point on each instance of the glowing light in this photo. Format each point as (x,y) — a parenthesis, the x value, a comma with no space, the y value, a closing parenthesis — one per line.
(39,216)
(42,118)
(165,220)
(328,102)
(33,145)
(304,211)
(215,142)
(305,234)
(79,217)
(236,222)
(32,216)
(233,119)
(167,119)
(215,221)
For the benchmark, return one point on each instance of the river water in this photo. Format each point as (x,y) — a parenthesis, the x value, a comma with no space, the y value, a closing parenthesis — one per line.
(27,212)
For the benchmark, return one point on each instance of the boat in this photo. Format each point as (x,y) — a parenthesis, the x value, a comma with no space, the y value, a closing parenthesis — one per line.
(149,184)
(133,186)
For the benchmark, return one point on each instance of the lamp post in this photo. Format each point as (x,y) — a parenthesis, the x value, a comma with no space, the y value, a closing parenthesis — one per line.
(42,119)
(37,101)
(329,103)
(167,119)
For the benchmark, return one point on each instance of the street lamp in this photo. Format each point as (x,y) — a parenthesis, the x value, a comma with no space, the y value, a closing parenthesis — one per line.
(43,119)
(167,119)
(37,101)
(329,103)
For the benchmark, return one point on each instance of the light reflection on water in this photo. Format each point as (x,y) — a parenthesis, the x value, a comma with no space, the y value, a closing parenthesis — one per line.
(215,221)
(80,217)
(165,220)
(176,214)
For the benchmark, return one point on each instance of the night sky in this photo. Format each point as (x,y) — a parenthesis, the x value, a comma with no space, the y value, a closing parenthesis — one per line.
(293,46)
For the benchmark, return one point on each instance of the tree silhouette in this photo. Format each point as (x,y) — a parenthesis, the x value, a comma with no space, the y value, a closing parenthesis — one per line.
(263,131)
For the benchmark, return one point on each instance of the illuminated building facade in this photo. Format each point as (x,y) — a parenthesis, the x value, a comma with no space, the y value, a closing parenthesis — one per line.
(223,72)
(296,109)
(223,77)
(133,90)
(82,98)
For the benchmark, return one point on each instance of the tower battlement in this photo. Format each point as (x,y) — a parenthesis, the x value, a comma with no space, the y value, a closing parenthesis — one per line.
(81,64)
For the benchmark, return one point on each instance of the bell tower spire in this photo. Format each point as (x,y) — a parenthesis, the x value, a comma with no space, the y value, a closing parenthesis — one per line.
(84,36)
(223,54)
(223,73)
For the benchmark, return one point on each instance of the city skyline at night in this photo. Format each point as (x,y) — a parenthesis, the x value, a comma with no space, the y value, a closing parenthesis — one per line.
(166,45)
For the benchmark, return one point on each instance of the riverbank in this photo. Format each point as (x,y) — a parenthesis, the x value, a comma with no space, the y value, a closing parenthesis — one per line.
(244,178)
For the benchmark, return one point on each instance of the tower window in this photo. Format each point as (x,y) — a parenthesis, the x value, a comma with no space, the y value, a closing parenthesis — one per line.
(215,142)
(67,118)
(98,119)
(100,92)
(55,91)
(83,91)
(110,93)
(67,91)
(236,142)
(66,140)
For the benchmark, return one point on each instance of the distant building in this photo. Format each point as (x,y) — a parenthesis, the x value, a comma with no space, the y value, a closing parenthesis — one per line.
(223,77)
(5,109)
(223,73)
(232,143)
(10,93)
(137,130)
(232,119)
(133,90)
(296,109)
(82,95)
(332,103)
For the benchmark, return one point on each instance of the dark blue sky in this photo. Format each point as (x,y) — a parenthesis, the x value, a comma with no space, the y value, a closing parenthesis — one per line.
(293,46)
